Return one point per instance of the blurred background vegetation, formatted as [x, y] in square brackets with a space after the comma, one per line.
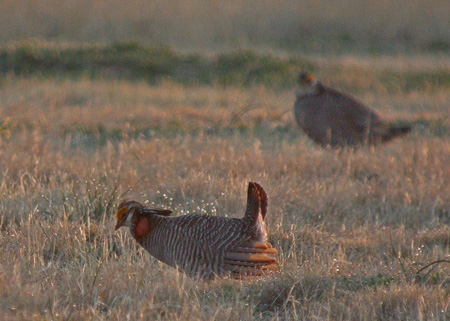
[153, 64]
[300, 27]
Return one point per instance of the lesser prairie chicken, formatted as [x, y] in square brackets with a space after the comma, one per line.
[330, 117]
[205, 246]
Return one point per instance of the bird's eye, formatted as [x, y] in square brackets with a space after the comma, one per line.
[121, 213]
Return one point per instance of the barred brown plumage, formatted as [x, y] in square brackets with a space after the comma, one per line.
[330, 117]
[205, 246]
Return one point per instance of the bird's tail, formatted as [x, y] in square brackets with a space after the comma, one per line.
[397, 130]
[254, 256]
[257, 202]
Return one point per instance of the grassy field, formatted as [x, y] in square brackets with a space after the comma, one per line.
[307, 26]
[359, 233]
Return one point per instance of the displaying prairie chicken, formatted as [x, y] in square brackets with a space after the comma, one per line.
[205, 246]
[330, 117]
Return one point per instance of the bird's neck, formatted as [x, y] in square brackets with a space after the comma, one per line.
[313, 88]
[152, 241]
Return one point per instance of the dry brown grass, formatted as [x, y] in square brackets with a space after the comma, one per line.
[353, 228]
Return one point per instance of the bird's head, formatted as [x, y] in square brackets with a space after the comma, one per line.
[306, 79]
[307, 84]
[125, 212]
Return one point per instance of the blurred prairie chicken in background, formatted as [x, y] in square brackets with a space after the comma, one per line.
[205, 246]
[330, 117]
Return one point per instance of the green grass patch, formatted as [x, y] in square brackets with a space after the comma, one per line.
[416, 80]
[133, 61]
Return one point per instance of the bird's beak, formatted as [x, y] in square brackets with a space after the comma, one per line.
[120, 217]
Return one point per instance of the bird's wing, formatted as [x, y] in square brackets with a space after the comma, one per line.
[353, 113]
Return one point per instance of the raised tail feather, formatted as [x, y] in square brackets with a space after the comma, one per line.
[255, 256]
[263, 199]
[257, 203]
